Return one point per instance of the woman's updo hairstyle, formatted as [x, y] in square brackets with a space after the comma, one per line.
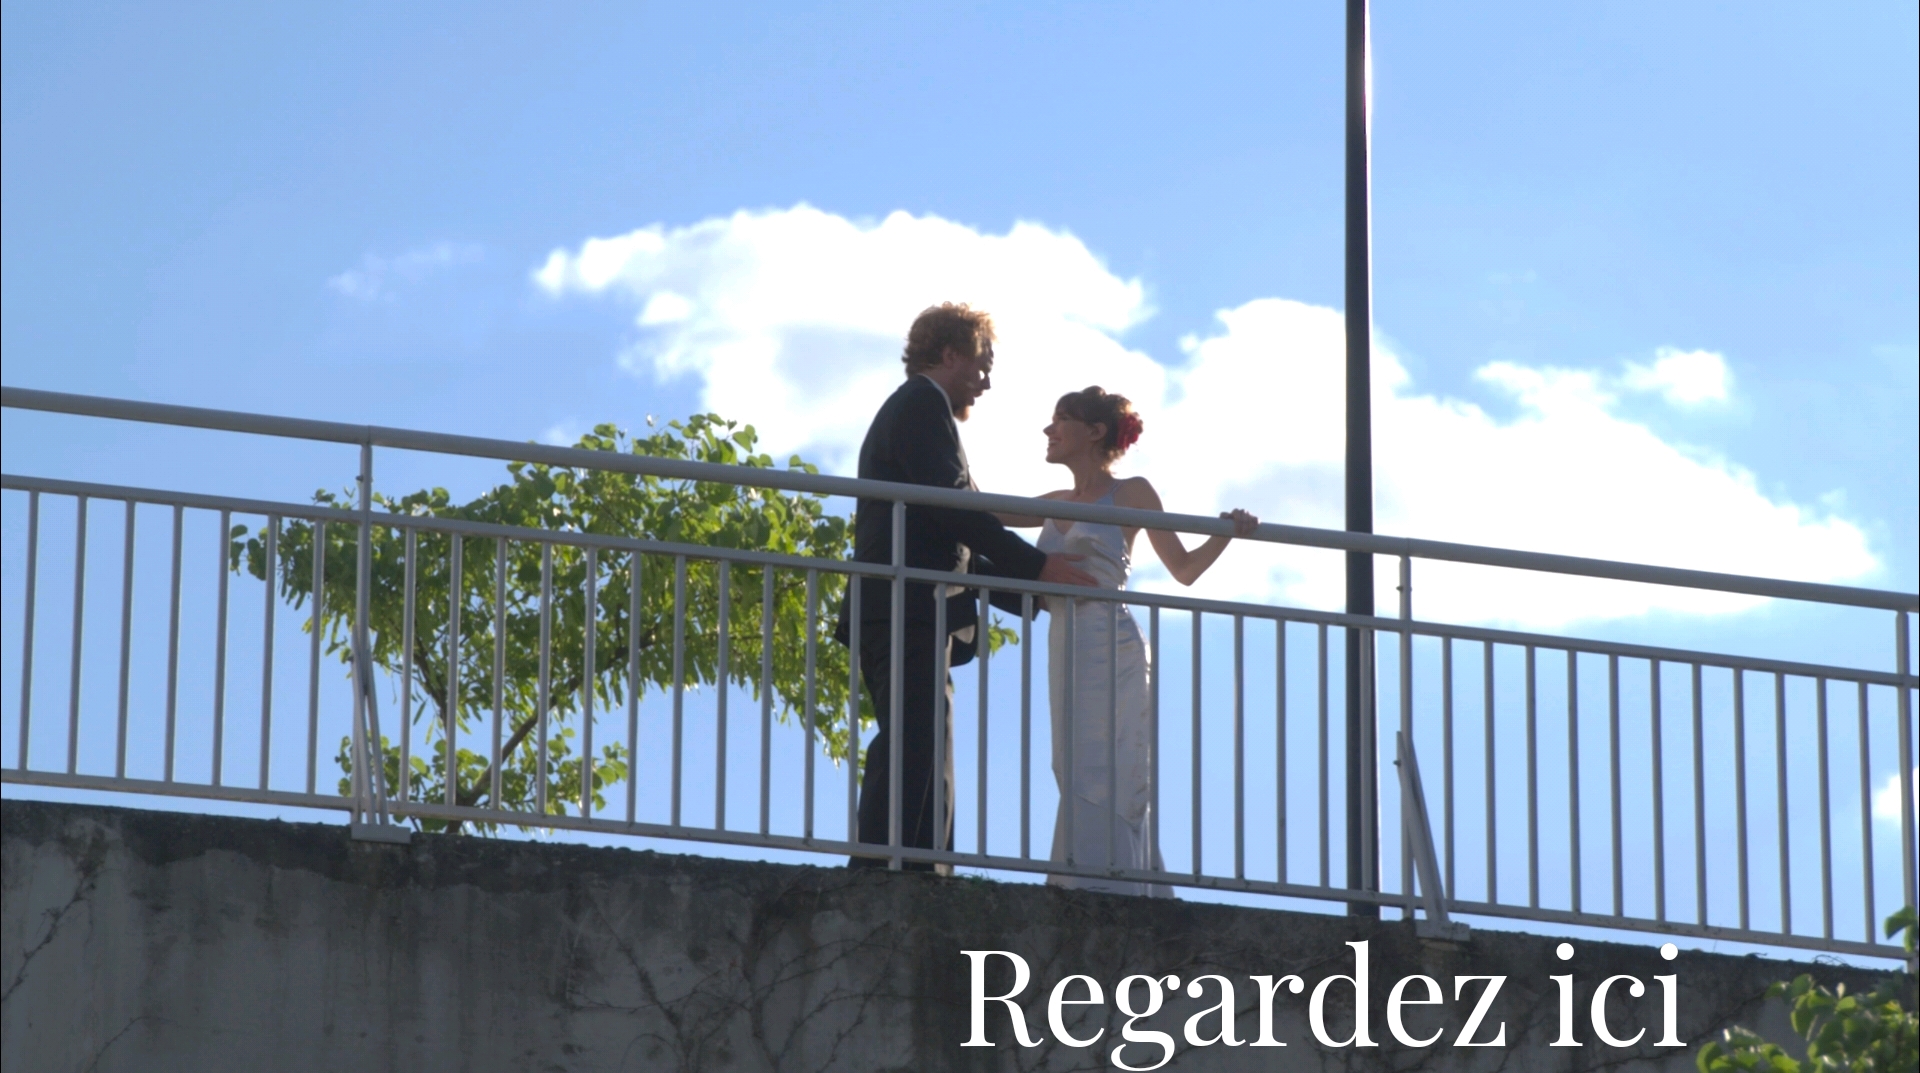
[1097, 406]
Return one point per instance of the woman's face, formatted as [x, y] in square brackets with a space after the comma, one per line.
[1069, 438]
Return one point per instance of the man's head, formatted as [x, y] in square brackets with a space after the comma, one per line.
[952, 345]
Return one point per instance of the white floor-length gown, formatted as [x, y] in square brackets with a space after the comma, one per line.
[1102, 747]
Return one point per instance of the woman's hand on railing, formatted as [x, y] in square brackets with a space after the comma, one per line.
[1186, 565]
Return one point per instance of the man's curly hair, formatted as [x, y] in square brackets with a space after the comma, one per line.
[948, 325]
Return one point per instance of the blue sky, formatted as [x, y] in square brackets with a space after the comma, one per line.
[1564, 188]
[339, 211]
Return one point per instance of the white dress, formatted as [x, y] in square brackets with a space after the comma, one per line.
[1102, 747]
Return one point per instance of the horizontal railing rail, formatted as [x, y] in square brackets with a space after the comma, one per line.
[790, 480]
[1133, 597]
[1762, 781]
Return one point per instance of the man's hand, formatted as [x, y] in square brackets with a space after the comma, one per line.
[1060, 570]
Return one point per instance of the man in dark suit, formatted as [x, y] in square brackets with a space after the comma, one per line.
[914, 439]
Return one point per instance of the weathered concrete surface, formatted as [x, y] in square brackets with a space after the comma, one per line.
[160, 941]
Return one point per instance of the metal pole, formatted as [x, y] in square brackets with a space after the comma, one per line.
[1362, 837]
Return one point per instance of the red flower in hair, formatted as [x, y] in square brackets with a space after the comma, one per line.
[1127, 430]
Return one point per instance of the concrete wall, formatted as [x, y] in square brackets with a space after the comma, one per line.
[160, 941]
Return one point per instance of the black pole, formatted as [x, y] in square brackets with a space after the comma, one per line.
[1363, 835]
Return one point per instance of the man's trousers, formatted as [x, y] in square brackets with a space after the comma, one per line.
[920, 671]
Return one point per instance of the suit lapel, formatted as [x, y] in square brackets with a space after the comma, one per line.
[966, 470]
[960, 445]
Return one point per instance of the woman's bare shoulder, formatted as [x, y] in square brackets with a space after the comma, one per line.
[1136, 492]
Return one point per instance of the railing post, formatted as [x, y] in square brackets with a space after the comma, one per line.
[679, 677]
[271, 540]
[938, 800]
[982, 636]
[363, 750]
[588, 673]
[766, 693]
[808, 688]
[721, 672]
[853, 708]
[1026, 723]
[1368, 761]
[1903, 664]
[494, 755]
[409, 587]
[26, 634]
[896, 665]
[316, 622]
[1406, 720]
[219, 642]
[1153, 742]
[450, 722]
[544, 690]
[79, 615]
[371, 759]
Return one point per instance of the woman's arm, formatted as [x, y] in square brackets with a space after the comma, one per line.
[1025, 521]
[1185, 566]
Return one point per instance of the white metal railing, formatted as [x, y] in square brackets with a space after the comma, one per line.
[1693, 709]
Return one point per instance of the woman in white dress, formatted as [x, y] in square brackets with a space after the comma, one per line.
[1097, 662]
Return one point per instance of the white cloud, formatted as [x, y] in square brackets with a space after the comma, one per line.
[562, 434]
[1682, 377]
[377, 276]
[793, 321]
[1886, 800]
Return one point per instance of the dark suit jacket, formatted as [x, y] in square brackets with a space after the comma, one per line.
[914, 440]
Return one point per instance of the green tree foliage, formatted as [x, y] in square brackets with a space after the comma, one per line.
[1868, 1033]
[573, 501]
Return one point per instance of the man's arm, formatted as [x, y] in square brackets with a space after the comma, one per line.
[1028, 521]
[1009, 602]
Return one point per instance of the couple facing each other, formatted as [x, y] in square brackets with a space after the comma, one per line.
[1097, 660]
